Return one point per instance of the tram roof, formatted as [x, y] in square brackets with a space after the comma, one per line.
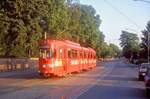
[65, 43]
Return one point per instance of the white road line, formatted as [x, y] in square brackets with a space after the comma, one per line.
[96, 82]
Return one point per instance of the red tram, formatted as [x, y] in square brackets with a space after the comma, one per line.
[64, 57]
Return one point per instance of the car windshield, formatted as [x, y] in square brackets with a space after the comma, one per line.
[46, 53]
[145, 65]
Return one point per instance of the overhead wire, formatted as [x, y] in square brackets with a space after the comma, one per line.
[121, 13]
[146, 1]
[94, 1]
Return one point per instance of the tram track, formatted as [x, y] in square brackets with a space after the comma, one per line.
[74, 86]
[24, 82]
[90, 83]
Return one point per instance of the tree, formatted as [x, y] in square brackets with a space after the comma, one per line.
[110, 50]
[20, 28]
[84, 26]
[144, 45]
[74, 22]
[130, 44]
[23, 23]
[116, 50]
[57, 19]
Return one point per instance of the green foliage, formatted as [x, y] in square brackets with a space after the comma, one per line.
[110, 50]
[20, 27]
[130, 43]
[57, 18]
[116, 51]
[105, 50]
[74, 21]
[144, 45]
[23, 23]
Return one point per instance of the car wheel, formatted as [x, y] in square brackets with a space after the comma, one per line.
[147, 92]
[140, 78]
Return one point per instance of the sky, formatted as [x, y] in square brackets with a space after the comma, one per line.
[118, 15]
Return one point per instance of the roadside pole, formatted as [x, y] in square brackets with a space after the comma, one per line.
[148, 46]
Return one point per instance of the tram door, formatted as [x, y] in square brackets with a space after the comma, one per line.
[68, 60]
[80, 59]
[65, 60]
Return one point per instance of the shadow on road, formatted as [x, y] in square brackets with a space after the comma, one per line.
[121, 78]
[25, 74]
[111, 92]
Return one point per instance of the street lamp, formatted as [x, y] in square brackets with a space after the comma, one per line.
[148, 44]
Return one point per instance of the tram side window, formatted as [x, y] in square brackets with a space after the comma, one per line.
[60, 53]
[89, 55]
[94, 56]
[84, 55]
[81, 55]
[46, 53]
[78, 54]
[56, 53]
[42, 53]
[72, 52]
[75, 54]
[69, 53]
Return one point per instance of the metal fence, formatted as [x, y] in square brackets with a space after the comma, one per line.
[10, 64]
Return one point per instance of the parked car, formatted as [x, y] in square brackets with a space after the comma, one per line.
[147, 81]
[143, 70]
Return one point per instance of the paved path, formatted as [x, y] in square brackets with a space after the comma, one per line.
[109, 80]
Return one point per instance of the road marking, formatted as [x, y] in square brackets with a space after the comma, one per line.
[84, 89]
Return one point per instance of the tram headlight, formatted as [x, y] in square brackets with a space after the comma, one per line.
[44, 66]
[48, 65]
[51, 65]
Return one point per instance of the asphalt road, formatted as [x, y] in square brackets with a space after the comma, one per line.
[109, 80]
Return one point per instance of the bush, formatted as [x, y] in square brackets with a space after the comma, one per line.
[142, 60]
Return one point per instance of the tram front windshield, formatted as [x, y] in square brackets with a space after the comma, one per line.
[46, 53]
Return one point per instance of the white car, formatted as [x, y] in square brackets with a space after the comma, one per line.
[147, 81]
[142, 70]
